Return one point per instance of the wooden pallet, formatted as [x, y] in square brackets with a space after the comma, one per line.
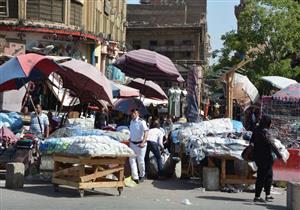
[85, 172]
[229, 179]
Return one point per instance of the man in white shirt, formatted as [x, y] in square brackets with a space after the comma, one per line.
[39, 123]
[155, 144]
[138, 143]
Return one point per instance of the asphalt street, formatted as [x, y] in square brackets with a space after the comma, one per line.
[162, 194]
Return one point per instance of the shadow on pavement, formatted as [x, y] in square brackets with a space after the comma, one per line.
[175, 184]
[220, 198]
[268, 206]
[247, 202]
[48, 190]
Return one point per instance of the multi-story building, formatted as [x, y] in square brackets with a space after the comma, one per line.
[91, 30]
[177, 29]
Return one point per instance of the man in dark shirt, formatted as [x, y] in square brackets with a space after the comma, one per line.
[101, 119]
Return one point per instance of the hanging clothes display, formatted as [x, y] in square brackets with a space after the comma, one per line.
[192, 85]
[177, 96]
[171, 101]
[183, 102]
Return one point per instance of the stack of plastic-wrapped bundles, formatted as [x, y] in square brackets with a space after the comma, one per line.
[215, 137]
[92, 142]
[11, 120]
[102, 146]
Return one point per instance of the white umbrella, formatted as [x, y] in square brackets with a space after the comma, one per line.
[279, 82]
[244, 91]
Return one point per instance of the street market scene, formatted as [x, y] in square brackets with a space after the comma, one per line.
[150, 104]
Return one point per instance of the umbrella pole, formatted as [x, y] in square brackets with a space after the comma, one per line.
[39, 120]
[62, 102]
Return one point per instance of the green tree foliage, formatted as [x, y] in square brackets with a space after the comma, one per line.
[274, 24]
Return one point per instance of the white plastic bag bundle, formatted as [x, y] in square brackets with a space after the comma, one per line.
[282, 150]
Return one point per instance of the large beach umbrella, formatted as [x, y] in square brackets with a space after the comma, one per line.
[126, 105]
[291, 92]
[85, 80]
[279, 82]
[244, 91]
[19, 70]
[148, 88]
[123, 91]
[148, 65]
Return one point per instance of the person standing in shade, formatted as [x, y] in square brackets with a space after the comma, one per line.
[138, 143]
[263, 154]
[101, 119]
[155, 144]
[39, 123]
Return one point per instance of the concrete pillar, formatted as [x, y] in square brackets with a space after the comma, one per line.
[211, 177]
[293, 195]
[22, 9]
[67, 12]
[14, 175]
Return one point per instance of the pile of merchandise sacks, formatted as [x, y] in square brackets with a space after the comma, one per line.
[218, 137]
[81, 141]
[95, 146]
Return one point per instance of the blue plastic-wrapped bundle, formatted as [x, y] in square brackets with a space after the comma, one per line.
[237, 126]
[52, 145]
[12, 120]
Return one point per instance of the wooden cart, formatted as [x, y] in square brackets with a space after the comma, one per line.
[86, 172]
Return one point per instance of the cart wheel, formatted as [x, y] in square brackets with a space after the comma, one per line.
[55, 186]
[120, 189]
[81, 192]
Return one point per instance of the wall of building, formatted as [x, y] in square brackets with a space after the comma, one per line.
[177, 29]
[177, 44]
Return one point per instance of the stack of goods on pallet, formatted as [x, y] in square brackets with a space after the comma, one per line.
[102, 146]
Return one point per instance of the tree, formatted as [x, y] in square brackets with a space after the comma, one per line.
[275, 24]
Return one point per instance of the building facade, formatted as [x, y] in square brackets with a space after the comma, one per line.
[177, 29]
[90, 30]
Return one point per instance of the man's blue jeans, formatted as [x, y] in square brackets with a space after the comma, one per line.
[154, 148]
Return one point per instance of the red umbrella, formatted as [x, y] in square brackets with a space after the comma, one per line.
[86, 80]
[148, 88]
[21, 69]
[148, 65]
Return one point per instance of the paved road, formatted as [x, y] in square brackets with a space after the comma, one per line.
[164, 194]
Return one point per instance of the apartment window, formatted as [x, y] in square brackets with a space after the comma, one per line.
[152, 44]
[4, 8]
[136, 44]
[187, 42]
[169, 42]
[51, 10]
[107, 7]
[76, 13]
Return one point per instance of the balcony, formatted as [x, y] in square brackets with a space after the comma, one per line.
[178, 48]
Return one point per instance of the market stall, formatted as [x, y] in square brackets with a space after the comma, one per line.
[220, 142]
[87, 162]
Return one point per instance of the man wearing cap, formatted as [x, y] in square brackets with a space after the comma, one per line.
[138, 143]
